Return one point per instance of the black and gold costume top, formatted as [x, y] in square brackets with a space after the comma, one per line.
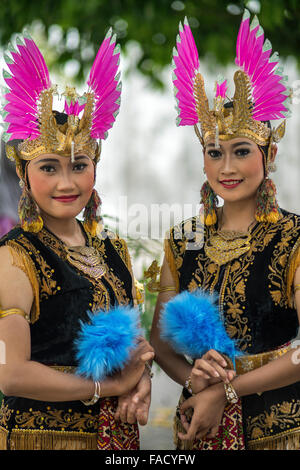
[256, 301]
[67, 283]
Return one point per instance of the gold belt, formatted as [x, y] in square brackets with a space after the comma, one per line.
[66, 369]
[246, 363]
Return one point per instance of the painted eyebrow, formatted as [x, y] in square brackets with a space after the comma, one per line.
[55, 160]
[233, 145]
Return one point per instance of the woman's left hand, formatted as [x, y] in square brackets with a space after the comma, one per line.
[134, 406]
[208, 407]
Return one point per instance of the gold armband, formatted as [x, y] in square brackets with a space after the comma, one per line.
[296, 287]
[14, 311]
[167, 289]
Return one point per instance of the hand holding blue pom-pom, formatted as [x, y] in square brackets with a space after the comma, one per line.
[191, 323]
[111, 344]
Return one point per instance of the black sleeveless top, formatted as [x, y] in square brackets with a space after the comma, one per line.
[66, 284]
[255, 300]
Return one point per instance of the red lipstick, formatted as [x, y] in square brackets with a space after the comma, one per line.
[230, 184]
[66, 199]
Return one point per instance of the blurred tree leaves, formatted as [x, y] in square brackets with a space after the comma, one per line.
[153, 24]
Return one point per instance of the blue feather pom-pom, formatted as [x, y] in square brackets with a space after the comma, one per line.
[104, 344]
[191, 323]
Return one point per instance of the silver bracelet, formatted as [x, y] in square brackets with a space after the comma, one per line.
[96, 396]
[148, 367]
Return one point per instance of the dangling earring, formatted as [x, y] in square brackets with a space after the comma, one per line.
[209, 200]
[30, 219]
[91, 213]
[267, 209]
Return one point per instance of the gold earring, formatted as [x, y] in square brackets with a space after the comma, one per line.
[209, 200]
[91, 213]
[30, 219]
[267, 209]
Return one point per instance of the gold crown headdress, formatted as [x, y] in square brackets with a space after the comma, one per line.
[28, 112]
[261, 93]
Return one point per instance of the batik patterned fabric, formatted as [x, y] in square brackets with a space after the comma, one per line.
[230, 435]
[113, 435]
[261, 320]
[67, 283]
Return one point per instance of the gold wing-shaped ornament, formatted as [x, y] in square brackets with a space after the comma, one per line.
[206, 117]
[279, 132]
[242, 102]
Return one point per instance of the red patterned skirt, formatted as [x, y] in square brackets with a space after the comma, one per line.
[230, 434]
[115, 435]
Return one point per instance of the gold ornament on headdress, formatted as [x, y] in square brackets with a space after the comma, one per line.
[260, 94]
[29, 114]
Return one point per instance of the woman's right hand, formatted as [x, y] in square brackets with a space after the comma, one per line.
[210, 369]
[131, 373]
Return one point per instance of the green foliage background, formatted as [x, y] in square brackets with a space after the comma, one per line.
[154, 25]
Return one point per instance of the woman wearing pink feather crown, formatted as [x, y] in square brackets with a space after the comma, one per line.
[246, 253]
[63, 282]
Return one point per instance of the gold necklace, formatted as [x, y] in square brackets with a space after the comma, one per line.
[86, 259]
[225, 245]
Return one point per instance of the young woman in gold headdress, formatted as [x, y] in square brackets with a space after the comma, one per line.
[55, 269]
[247, 252]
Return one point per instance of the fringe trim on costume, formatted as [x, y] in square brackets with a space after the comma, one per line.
[281, 442]
[293, 264]
[3, 438]
[21, 260]
[171, 262]
[51, 440]
[181, 445]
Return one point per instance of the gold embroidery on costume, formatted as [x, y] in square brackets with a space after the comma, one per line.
[224, 246]
[5, 414]
[292, 265]
[82, 258]
[281, 415]
[61, 419]
[283, 262]
[121, 248]
[48, 285]
[22, 260]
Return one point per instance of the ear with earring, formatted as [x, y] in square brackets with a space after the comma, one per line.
[30, 219]
[267, 208]
[209, 200]
[91, 213]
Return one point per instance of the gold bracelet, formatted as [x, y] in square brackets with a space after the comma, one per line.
[96, 396]
[188, 385]
[167, 289]
[231, 394]
[14, 311]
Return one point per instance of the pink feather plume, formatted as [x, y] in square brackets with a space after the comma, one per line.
[28, 77]
[221, 87]
[186, 65]
[253, 56]
[104, 83]
[73, 108]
